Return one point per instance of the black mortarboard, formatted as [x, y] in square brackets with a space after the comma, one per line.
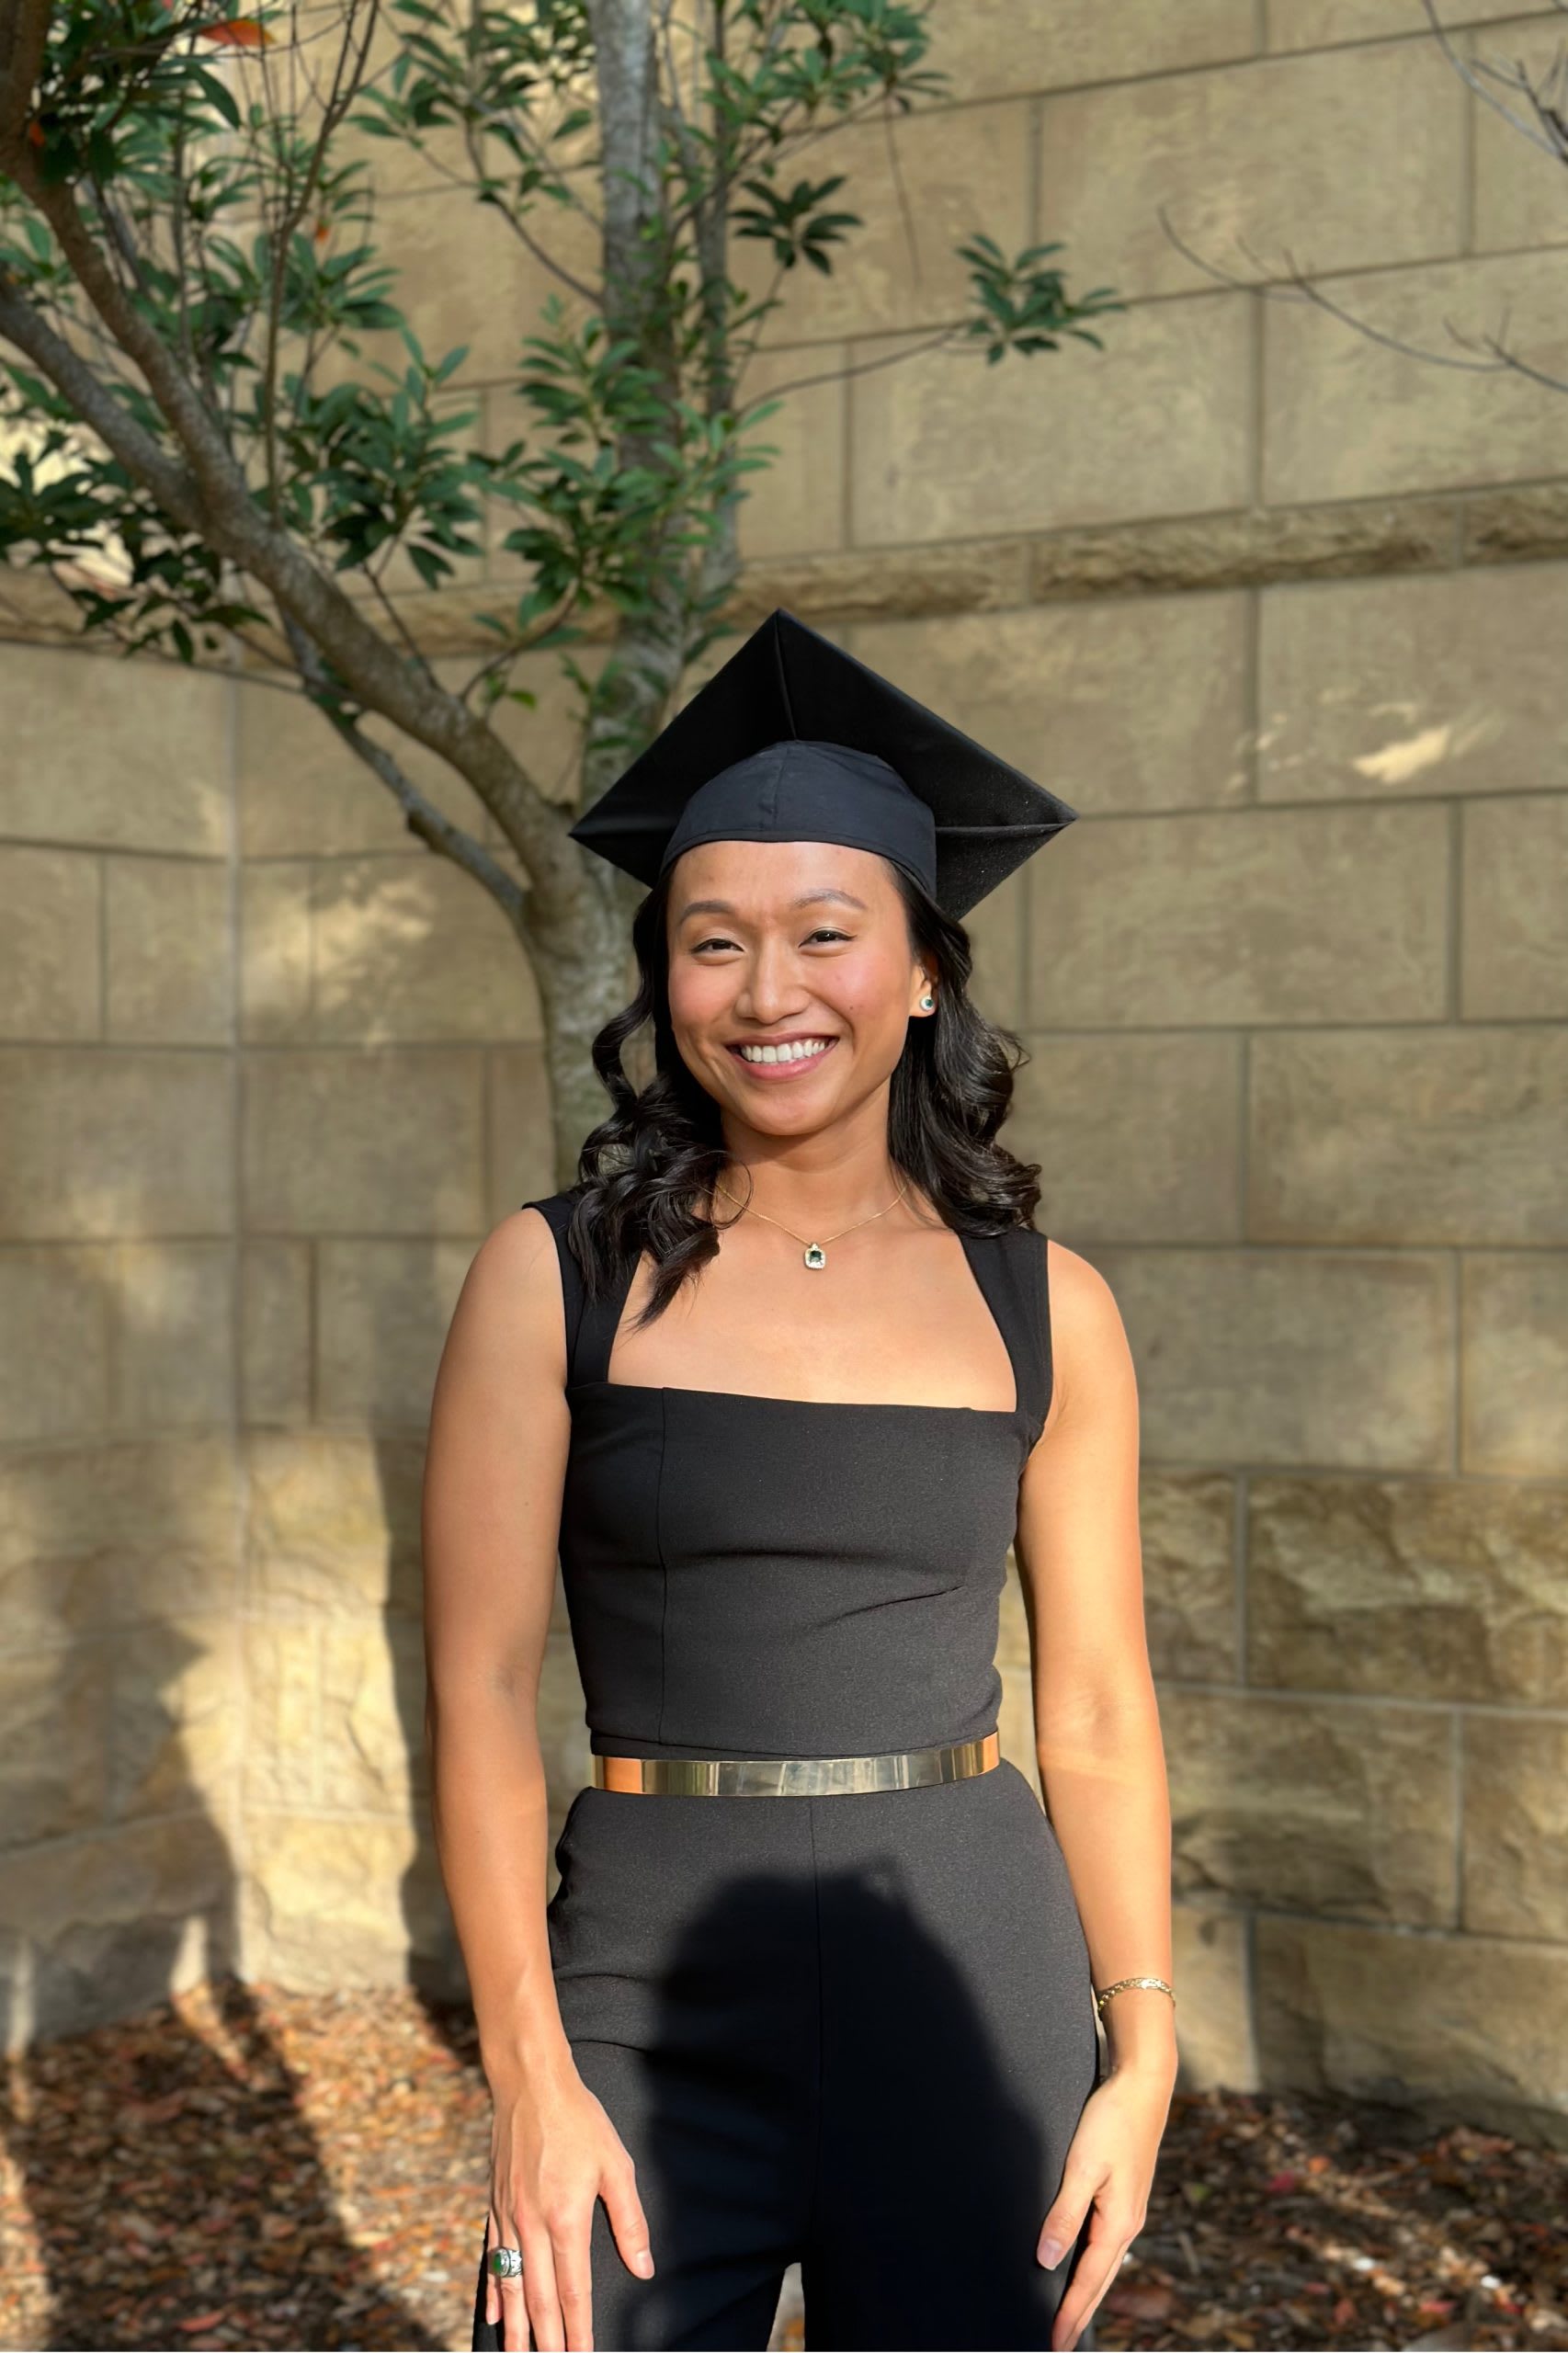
[794, 739]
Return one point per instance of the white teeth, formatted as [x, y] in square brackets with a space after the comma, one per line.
[799, 1053]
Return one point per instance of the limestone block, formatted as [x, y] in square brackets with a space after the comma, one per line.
[562, 1728]
[382, 1312]
[970, 167]
[50, 967]
[173, 1335]
[1158, 422]
[127, 754]
[1516, 1826]
[1513, 936]
[1257, 915]
[1411, 1589]
[1015, 1724]
[1289, 1356]
[372, 1724]
[1514, 1318]
[275, 1338]
[1257, 546]
[995, 48]
[1013, 1625]
[1414, 425]
[97, 1538]
[1085, 1107]
[1432, 2022]
[408, 949]
[1518, 191]
[56, 1310]
[1187, 1526]
[1315, 1805]
[467, 279]
[332, 1523]
[1310, 24]
[1437, 682]
[1213, 2022]
[275, 949]
[546, 735]
[1121, 704]
[100, 1144]
[53, 1708]
[517, 1122]
[1257, 161]
[796, 506]
[283, 1711]
[996, 944]
[93, 1928]
[325, 1899]
[1409, 1135]
[170, 951]
[174, 1721]
[340, 1142]
[303, 792]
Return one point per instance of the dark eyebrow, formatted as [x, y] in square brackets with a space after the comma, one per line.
[806, 899]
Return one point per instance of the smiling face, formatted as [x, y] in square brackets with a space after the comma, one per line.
[798, 947]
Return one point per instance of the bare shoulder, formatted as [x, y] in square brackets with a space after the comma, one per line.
[511, 1310]
[1088, 1340]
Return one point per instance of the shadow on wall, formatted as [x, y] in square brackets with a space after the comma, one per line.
[120, 1888]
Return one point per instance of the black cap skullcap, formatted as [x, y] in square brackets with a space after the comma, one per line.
[794, 739]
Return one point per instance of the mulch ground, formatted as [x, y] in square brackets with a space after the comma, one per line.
[244, 2167]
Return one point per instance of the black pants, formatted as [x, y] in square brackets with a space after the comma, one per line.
[854, 2030]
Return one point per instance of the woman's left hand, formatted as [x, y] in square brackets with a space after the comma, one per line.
[1110, 2165]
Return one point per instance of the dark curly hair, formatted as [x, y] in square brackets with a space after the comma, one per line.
[646, 1173]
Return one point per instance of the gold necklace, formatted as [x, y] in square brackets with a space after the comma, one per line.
[816, 1252]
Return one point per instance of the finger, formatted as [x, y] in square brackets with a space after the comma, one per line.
[492, 2285]
[504, 2298]
[573, 2281]
[1065, 2220]
[629, 2224]
[1092, 2275]
[540, 2290]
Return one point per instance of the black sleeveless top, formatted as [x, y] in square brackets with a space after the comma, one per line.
[767, 1577]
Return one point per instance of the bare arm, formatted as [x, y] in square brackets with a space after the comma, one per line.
[1102, 1768]
[1096, 1720]
[500, 1427]
[496, 1459]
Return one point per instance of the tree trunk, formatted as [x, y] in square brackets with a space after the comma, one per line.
[584, 973]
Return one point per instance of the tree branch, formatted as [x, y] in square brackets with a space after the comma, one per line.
[218, 505]
[95, 403]
[432, 825]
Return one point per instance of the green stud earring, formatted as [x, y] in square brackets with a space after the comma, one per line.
[928, 1002]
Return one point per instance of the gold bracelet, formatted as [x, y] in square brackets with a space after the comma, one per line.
[1103, 1996]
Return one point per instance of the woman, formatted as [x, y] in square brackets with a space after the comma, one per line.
[783, 1374]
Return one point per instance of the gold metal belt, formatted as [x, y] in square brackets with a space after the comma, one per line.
[796, 1777]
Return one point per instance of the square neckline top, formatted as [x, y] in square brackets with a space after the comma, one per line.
[595, 1317]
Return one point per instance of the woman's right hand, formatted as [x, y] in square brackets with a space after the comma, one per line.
[552, 2155]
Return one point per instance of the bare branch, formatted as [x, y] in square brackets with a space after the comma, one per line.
[1301, 288]
[866, 367]
[432, 825]
[1476, 76]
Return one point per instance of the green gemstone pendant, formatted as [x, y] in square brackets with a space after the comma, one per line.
[815, 1255]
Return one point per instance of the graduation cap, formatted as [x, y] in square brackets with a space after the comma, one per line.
[794, 739]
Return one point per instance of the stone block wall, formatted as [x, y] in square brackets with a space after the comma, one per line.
[120, 1740]
[1277, 609]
